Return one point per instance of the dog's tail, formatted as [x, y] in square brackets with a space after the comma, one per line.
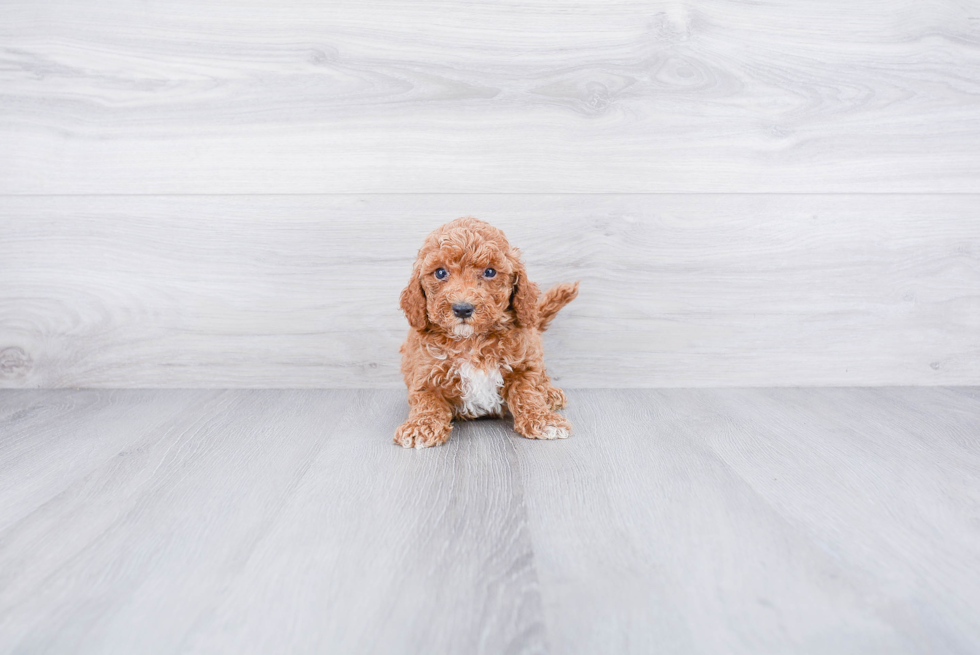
[553, 300]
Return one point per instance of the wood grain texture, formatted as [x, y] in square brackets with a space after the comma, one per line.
[748, 521]
[238, 525]
[676, 521]
[301, 291]
[513, 96]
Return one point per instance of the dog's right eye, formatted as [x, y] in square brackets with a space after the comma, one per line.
[441, 274]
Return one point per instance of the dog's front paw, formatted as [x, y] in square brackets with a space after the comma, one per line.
[422, 432]
[555, 432]
[543, 425]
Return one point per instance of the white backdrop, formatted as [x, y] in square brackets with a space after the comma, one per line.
[231, 194]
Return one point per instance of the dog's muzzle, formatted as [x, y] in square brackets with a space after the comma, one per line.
[463, 309]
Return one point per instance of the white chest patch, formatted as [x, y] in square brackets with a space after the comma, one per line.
[481, 391]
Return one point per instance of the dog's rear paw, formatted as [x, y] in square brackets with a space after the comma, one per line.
[422, 433]
[556, 398]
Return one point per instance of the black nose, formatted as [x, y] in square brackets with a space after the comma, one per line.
[463, 310]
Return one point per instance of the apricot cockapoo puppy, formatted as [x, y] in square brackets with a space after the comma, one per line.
[475, 345]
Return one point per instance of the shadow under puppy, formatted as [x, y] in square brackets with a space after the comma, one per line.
[475, 345]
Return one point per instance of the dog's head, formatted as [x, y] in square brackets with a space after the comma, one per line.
[467, 280]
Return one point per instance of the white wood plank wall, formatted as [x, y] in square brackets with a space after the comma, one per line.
[319, 96]
[677, 290]
[217, 193]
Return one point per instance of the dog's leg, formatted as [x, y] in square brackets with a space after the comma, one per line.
[429, 421]
[529, 402]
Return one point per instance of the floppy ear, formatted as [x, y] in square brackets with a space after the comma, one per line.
[524, 298]
[413, 301]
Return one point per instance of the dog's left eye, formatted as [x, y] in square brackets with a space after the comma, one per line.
[489, 273]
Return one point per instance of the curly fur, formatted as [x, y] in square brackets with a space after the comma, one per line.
[489, 363]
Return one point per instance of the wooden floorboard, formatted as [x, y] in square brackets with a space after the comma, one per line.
[679, 521]
[236, 526]
[754, 521]
[502, 97]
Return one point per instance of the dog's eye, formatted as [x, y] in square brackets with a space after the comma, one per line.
[489, 273]
[441, 274]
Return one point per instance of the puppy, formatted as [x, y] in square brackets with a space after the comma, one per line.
[474, 348]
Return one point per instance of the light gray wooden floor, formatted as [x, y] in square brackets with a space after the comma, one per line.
[674, 521]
